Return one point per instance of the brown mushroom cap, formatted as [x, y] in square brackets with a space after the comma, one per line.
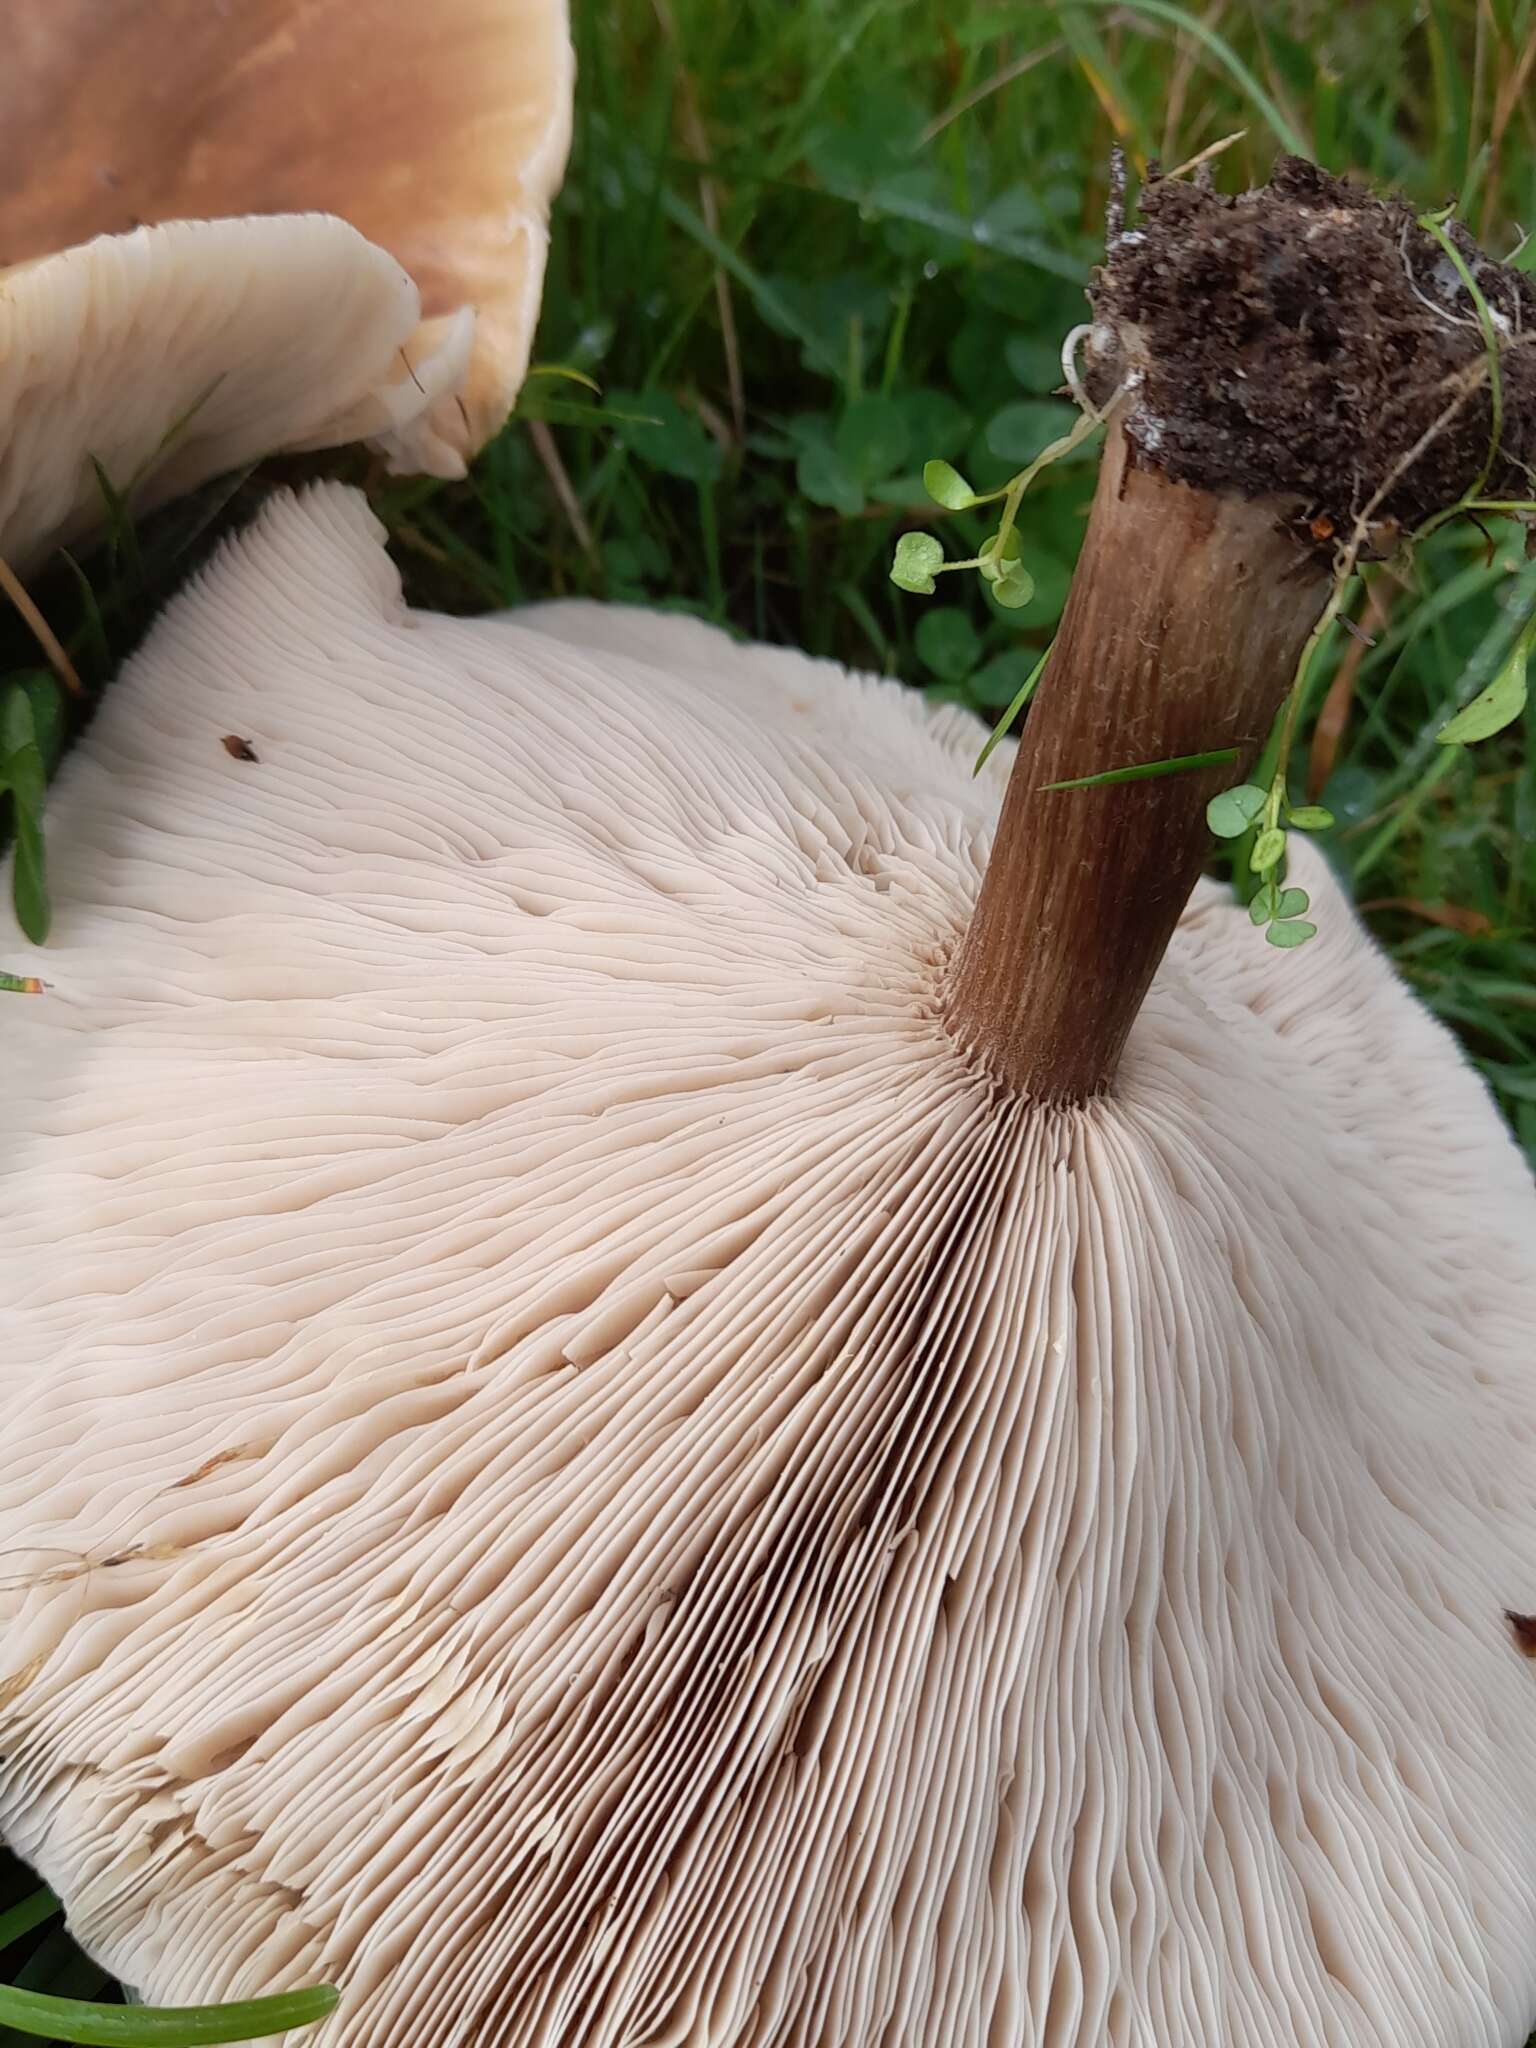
[439, 131]
[572, 1463]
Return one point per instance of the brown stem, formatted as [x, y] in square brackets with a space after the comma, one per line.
[1185, 622]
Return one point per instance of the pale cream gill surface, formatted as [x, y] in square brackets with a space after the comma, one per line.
[570, 1465]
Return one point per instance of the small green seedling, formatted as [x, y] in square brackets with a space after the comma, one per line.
[1239, 810]
[999, 560]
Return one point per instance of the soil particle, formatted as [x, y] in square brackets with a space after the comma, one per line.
[1299, 340]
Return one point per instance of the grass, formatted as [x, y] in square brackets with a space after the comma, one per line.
[803, 248]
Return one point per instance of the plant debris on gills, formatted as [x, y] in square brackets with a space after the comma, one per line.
[1301, 340]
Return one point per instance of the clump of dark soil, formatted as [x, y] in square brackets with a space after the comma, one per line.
[1301, 339]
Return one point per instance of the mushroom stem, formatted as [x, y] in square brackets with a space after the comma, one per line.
[1186, 619]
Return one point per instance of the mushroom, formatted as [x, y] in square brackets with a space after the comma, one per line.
[439, 132]
[166, 356]
[583, 1458]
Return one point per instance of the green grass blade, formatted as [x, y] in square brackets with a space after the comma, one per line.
[43, 2017]
[33, 1910]
[1432, 226]
[1145, 771]
[1512, 620]
[93, 631]
[851, 32]
[1284, 133]
[1406, 812]
[960, 227]
[1026, 690]
[1087, 46]
[768, 301]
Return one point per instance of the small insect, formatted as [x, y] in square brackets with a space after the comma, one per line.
[1523, 1629]
[239, 749]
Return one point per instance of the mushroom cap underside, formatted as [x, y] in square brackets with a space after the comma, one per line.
[574, 1467]
[439, 132]
[141, 365]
